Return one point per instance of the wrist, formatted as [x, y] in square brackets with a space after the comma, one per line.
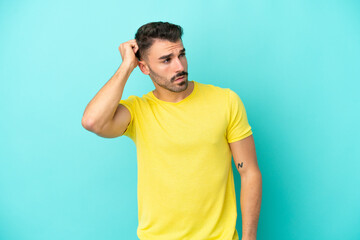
[248, 237]
[126, 68]
[128, 65]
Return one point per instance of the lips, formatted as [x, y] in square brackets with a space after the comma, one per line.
[179, 78]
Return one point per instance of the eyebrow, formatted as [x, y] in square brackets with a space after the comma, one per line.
[169, 55]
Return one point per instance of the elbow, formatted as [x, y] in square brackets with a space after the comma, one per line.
[89, 124]
[251, 174]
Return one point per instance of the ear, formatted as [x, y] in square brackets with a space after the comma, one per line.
[143, 67]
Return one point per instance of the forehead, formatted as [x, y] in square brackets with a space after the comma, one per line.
[162, 47]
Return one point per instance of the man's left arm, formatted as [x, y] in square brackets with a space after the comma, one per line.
[244, 155]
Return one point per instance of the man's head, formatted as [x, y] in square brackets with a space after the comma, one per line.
[161, 55]
[147, 33]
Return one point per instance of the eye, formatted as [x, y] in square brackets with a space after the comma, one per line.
[166, 60]
[182, 54]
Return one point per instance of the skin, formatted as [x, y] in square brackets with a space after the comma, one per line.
[163, 72]
[245, 160]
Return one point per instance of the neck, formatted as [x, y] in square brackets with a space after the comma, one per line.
[169, 96]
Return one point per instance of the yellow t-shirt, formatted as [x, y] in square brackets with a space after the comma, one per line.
[185, 180]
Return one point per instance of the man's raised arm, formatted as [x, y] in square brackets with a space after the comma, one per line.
[104, 115]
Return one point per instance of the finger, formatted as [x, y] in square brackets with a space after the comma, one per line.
[129, 45]
[133, 41]
[136, 48]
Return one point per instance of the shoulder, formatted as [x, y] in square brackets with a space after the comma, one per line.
[134, 98]
[137, 102]
[226, 95]
[129, 100]
[210, 88]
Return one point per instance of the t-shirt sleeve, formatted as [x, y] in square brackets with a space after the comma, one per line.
[130, 104]
[238, 127]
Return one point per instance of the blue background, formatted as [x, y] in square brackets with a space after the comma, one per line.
[295, 64]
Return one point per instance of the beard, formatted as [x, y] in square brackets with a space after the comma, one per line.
[169, 84]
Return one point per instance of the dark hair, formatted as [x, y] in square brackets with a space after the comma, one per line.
[146, 34]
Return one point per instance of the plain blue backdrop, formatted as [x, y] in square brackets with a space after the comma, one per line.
[295, 64]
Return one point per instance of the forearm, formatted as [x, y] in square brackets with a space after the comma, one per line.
[250, 201]
[102, 107]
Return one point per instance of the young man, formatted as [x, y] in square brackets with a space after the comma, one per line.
[185, 133]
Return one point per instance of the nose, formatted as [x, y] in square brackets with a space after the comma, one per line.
[178, 65]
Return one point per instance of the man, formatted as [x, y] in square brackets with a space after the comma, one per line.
[185, 134]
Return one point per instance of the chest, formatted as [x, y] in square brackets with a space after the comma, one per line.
[183, 128]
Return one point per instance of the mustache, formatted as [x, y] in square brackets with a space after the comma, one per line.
[183, 73]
